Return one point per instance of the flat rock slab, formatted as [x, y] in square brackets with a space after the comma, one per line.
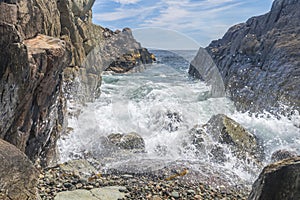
[105, 193]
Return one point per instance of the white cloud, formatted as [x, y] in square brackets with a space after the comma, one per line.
[126, 1]
[208, 19]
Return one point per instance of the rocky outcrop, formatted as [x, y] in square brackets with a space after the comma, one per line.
[223, 140]
[227, 131]
[18, 177]
[278, 181]
[259, 60]
[33, 86]
[95, 49]
[30, 77]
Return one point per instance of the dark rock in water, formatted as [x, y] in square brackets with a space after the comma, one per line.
[259, 60]
[130, 141]
[130, 60]
[282, 154]
[218, 154]
[278, 181]
[18, 177]
[227, 131]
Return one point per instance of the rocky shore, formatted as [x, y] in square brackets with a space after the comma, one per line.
[49, 62]
[63, 182]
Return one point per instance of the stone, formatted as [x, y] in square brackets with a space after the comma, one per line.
[81, 167]
[130, 141]
[105, 193]
[278, 181]
[18, 176]
[227, 131]
[282, 154]
[75, 195]
[258, 60]
[175, 195]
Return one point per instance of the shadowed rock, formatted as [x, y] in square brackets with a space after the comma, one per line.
[18, 177]
[278, 181]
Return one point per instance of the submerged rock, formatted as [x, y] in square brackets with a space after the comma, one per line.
[130, 141]
[18, 176]
[278, 181]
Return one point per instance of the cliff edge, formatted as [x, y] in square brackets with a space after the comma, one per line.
[259, 60]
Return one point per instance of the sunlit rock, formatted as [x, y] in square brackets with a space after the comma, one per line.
[227, 131]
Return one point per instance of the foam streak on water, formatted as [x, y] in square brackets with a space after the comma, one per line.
[142, 103]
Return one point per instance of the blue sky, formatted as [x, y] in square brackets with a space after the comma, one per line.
[197, 21]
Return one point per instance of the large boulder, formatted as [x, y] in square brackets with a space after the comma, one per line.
[131, 141]
[259, 59]
[278, 181]
[18, 177]
[227, 131]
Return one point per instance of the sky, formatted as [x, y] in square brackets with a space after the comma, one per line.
[175, 24]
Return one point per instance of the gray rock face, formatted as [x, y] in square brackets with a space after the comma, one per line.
[259, 60]
[227, 131]
[18, 177]
[278, 181]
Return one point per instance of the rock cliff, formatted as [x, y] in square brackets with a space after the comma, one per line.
[47, 48]
[30, 76]
[259, 60]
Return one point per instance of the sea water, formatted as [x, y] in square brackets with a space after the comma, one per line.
[143, 102]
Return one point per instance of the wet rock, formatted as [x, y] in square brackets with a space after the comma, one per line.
[130, 141]
[227, 131]
[218, 154]
[258, 60]
[278, 181]
[18, 177]
[282, 154]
